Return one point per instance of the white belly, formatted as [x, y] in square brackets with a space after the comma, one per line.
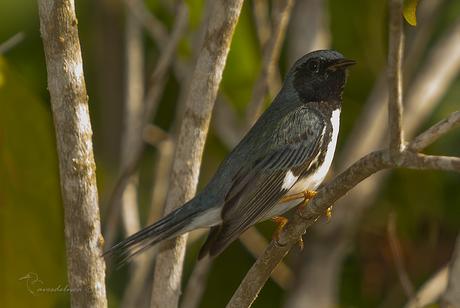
[312, 181]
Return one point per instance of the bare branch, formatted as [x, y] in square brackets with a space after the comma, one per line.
[430, 162]
[395, 55]
[395, 248]
[451, 297]
[190, 145]
[155, 89]
[326, 196]
[153, 26]
[11, 42]
[431, 290]
[255, 243]
[435, 132]
[196, 284]
[270, 57]
[69, 102]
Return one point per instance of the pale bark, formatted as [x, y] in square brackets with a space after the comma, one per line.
[190, 144]
[271, 53]
[69, 102]
[395, 58]
[431, 290]
[451, 297]
[152, 96]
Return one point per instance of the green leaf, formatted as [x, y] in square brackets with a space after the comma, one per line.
[410, 10]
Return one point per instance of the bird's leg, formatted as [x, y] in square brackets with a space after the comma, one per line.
[307, 196]
[280, 223]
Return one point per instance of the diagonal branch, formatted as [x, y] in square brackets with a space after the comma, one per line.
[190, 144]
[256, 277]
[435, 132]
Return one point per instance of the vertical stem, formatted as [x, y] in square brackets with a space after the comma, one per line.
[69, 102]
[395, 54]
[190, 145]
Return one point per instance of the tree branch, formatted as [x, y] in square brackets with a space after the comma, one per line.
[271, 52]
[190, 145]
[326, 196]
[451, 297]
[395, 55]
[69, 102]
[153, 94]
[11, 42]
[435, 132]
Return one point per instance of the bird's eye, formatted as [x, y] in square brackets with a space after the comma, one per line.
[313, 66]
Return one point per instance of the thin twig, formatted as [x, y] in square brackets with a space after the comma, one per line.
[435, 132]
[196, 284]
[451, 296]
[11, 42]
[190, 144]
[153, 95]
[270, 57]
[431, 290]
[154, 27]
[395, 248]
[69, 102]
[395, 54]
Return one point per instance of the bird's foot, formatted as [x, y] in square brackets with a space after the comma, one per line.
[280, 223]
[307, 196]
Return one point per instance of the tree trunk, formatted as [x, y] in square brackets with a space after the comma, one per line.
[69, 102]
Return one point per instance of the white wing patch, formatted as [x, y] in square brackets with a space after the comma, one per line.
[315, 178]
[289, 180]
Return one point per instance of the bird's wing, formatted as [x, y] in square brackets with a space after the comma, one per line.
[291, 147]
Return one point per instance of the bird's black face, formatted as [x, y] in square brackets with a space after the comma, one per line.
[321, 76]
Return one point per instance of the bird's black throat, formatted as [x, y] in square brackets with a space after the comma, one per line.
[327, 87]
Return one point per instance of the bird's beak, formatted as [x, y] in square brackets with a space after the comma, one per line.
[340, 64]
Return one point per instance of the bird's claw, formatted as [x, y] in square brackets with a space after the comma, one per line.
[280, 223]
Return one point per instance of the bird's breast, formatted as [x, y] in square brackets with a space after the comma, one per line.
[323, 161]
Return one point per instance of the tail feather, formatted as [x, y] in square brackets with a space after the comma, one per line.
[173, 224]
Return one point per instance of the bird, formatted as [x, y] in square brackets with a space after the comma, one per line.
[286, 153]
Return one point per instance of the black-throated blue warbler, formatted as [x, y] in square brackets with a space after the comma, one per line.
[287, 152]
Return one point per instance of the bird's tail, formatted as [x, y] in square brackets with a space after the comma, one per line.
[174, 224]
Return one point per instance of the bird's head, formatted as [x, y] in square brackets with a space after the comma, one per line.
[319, 76]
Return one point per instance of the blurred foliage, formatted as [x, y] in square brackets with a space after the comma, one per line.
[410, 11]
[426, 204]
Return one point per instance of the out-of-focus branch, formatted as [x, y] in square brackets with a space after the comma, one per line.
[190, 144]
[155, 89]
[395, 248]
[11, 42]
[395, 54]
[153, 26]
[308, 29]
[196, 284]
[451, 296]
[69, 102]
[271, 52]
[435, 132]
[431, 290]
[262, 20]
